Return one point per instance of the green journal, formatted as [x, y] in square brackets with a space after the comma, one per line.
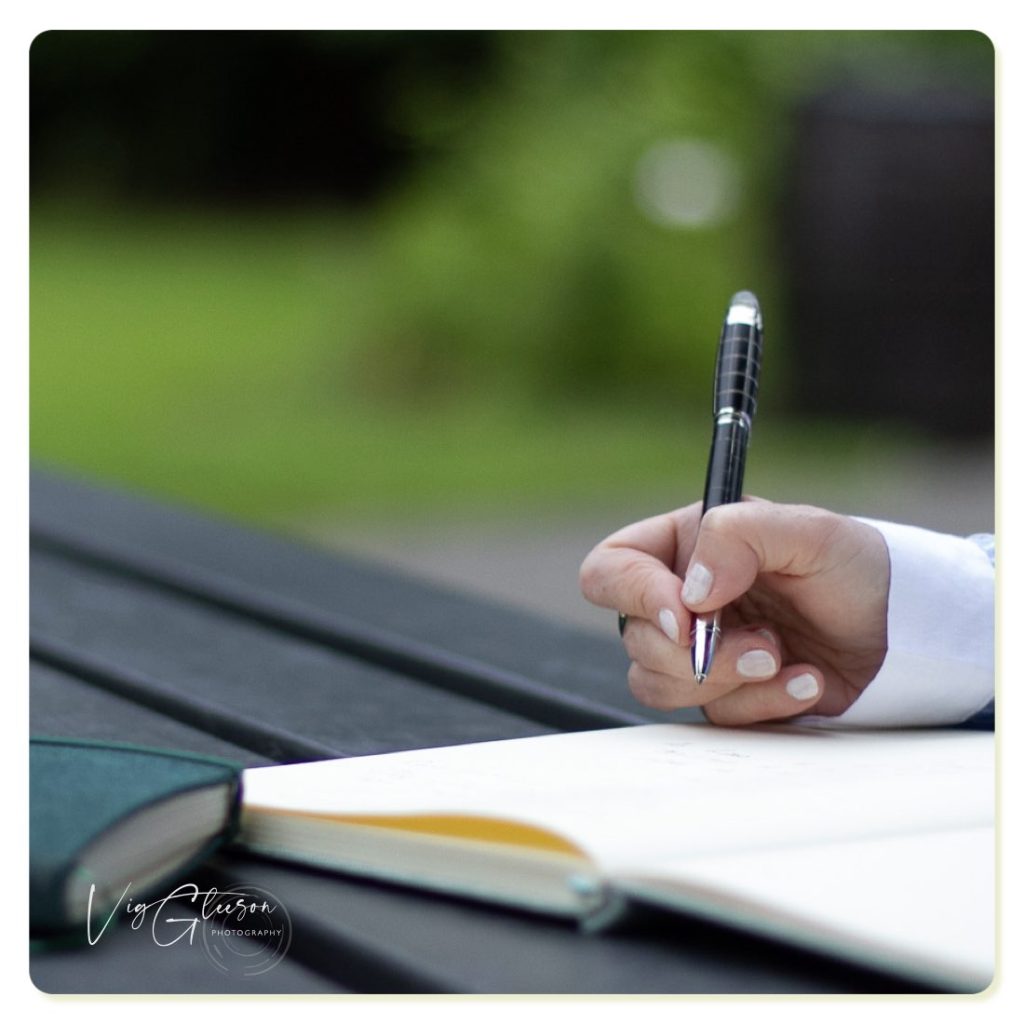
[107, 815]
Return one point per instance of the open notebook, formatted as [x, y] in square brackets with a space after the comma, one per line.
[876, 846]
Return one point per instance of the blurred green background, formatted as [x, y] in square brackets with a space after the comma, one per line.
[327, 282]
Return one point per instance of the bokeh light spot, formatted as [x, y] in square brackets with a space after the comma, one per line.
[687, 183]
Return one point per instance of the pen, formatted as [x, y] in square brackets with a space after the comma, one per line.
[737, 369]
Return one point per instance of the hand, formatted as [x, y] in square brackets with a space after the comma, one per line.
[804, 594]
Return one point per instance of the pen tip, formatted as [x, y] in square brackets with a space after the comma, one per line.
[700, 677]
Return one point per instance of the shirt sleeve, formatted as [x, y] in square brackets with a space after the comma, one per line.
[940, 665]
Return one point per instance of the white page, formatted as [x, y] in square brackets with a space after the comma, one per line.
[647, 794]
[925, 901]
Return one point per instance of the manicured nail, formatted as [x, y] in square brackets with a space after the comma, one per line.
[756, 665]
[697, 584]
[669, 625]
[802, 687]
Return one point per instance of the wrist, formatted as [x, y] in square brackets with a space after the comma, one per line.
[939, 661]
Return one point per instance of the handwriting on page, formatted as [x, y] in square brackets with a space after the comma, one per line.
[668, 788]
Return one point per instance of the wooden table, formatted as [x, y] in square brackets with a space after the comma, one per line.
[160, 626]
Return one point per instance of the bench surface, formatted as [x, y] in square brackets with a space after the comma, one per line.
[157, 625]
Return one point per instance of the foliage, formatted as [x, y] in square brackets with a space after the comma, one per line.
[506, 322]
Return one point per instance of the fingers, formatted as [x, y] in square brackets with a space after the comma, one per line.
[637, 569]
[632, 572]
[661, 675]
[731, 701]
[818, 575]
[794, 691]
[745, 685]
[738, 542]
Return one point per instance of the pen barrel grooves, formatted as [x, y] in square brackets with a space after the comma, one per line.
[724, 482]
[737, 368]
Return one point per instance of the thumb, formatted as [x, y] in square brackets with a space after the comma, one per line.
[738, 542]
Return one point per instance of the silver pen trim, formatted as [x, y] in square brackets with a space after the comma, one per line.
[730, 415]
[706, 633]
[743, 313]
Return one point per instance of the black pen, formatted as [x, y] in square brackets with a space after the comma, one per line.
[737, 370]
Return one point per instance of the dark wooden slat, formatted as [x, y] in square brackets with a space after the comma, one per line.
[266, 691]
[273, 742]
[565, 678]
[64, 705]
[132, 964]
[413, 941]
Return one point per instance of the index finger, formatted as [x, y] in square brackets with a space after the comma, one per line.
[668, 537]
[633, 570]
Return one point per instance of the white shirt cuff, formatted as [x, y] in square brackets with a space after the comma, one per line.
[940, 664]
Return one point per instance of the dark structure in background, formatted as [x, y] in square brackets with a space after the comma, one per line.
[236, 117]
[892, 228]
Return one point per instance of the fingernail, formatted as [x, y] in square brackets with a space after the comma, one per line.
[802, 687]
[697, 584]
[669, 624]
[756, 664]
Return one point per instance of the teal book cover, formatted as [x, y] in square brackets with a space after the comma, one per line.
[106, 815]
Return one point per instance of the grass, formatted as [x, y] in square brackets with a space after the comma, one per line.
[211, 360]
